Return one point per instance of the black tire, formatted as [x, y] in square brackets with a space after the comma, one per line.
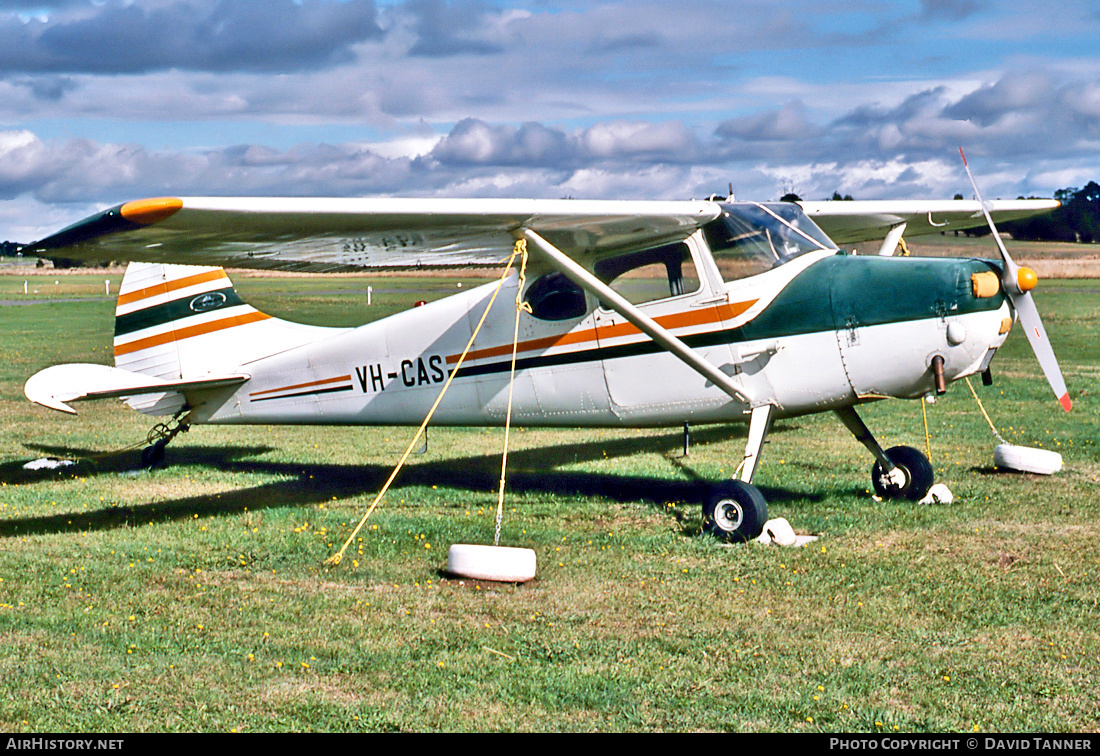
[919, 475]
[734, 511]
[153, 456]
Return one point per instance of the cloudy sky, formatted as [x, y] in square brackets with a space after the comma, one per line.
[102, 101]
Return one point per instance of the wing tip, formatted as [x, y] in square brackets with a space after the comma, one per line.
[127, 217]
[149, 211]
[1066, 402]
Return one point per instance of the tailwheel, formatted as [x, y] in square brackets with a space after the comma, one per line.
[153, 456]
[159, 435]
[910, 479]
[734, 511]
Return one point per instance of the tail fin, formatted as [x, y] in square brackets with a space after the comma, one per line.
[182, 322]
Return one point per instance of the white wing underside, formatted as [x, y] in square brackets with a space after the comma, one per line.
[866, 220]
[332, 234]
[321, 234]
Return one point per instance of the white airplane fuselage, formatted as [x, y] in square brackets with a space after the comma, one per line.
[819, 332]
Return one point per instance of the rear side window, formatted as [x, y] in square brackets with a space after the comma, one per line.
[650, 274]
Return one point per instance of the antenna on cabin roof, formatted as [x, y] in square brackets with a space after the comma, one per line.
[715, 197]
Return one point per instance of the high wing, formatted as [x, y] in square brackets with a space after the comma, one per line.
[347, 234]
[331, 234]
[847, 222]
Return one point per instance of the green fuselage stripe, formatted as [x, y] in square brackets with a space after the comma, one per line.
[838, 293]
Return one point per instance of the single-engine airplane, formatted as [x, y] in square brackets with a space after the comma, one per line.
[649, 313]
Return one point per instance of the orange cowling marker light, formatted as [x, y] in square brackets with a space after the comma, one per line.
[149, 211]
[986, 284]
[1026, 279]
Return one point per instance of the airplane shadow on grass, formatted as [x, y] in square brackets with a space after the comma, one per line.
[529, 471]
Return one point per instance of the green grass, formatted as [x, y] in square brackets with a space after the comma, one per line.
[195, 598]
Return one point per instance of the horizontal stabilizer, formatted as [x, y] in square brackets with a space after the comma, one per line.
[57, 385]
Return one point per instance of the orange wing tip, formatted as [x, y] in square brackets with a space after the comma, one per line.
[149, 211]
[1067, 403]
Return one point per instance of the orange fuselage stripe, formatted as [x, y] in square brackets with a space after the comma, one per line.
[337, 379]
[167, 286]
[180, 334]
[675, 320]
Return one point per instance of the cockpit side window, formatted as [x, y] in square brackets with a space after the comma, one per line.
[651, 274]
[555, 297]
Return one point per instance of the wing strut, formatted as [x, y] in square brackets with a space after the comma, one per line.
[890, 243]
[577, 273]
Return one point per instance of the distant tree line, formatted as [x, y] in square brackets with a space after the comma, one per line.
[15, 249]
[1077, 220]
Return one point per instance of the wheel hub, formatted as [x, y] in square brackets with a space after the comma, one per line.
[897, 480]
[728, 515]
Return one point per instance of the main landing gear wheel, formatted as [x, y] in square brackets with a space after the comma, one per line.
[917, 472]
[735, 511]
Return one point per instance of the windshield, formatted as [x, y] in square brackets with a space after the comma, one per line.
[751, 237]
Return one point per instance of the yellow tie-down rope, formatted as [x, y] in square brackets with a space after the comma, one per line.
[984, 413]
[520, 248]
[521, 306]
[927, 435]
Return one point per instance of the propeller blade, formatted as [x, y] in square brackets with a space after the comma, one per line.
[1037, 336]
[1011, 270]
[1020, 297]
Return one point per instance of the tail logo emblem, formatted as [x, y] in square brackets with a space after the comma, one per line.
[211, 300]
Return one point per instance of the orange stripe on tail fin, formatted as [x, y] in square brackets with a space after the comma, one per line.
[183, 322]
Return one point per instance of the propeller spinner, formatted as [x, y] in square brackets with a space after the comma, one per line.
[1018, 282]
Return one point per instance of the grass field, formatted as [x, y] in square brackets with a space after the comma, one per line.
[195, 598]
